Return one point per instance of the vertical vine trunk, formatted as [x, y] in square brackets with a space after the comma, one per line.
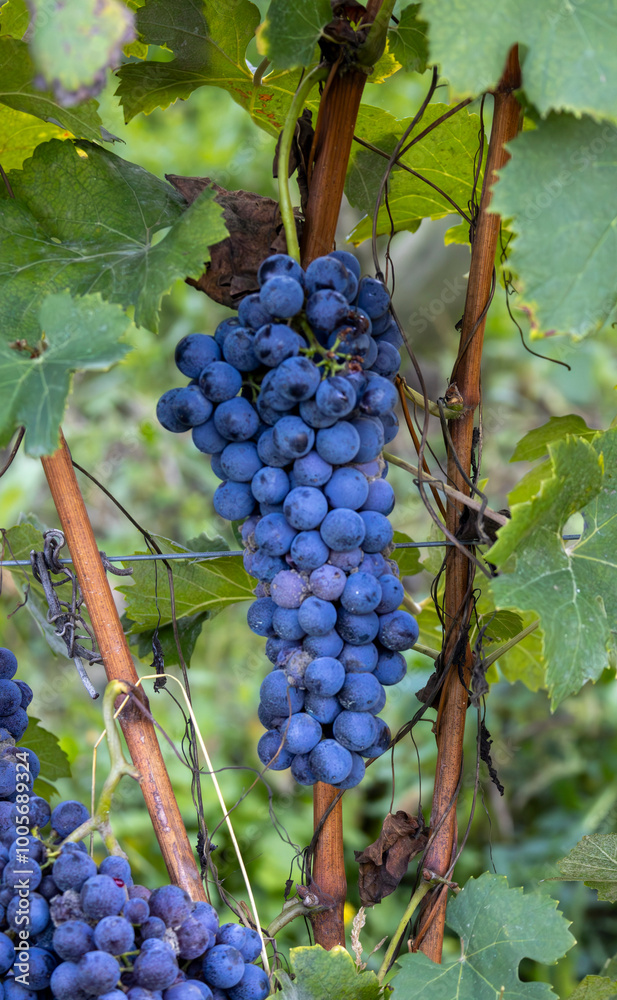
[138, 731]
[338, 112]
[450, 725]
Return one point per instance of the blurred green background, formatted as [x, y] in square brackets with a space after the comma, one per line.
[558, 771]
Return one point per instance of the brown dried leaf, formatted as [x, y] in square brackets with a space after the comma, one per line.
[255, 231]
[384, 863]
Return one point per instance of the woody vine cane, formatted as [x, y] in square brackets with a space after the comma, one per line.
[450, 724]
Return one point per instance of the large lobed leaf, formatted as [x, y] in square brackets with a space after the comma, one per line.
[290, 32]
[320, 973]
[594, 862]
[209, 43]
[498, 927]
[566, 50]
[445, 156]
[17, 91]
[84, 219]
[207, 585]
[595, 988]
[79, 334]
[573, 588]
[566, 243]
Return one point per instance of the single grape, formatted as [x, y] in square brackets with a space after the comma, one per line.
[359, 659]
[194, 352]
[274, 343]
[286, 625]
[336, 396]
[326, 309]
[398, 630]
[351, 263]
[301, 770]
[270, 484]
[220, 381]
[239, 350]
[308, 552]
[342, 529]
[289, 588]
[356, 773]
[392, 335]
[260, 616]
[311, 470]
[274, 534]
[278, 697]
[10, 696]
[373, 296]
[388, 360]
[279, 264]
[326, 272]
[101, 897]
[254, 985]
[292, 437]
[240, 461]
[117, 867]
[390, 424]
[317, 617]
[357, 630]
[327, 581]
[193, 938]
[155, 969]
[264, 566]
[330, 762]
[171, 903]
[136, 911]
[355, 730]
[380, 497]
[314, 417]
[207, 439]
[115, 935]
[347, 561]
[305, 508]
[329, 644]
[251, 312]
[301, 733]
[233, 501]
[360, 693]
[236, 420]
[324, 708]
[324, 676]
[296, 379]
[392, 594]
[379, 397]
[339, 444]
[268, 451]
[224, 329]
[391, 667]
[8, 664]
[371, 435]
[65, 982]
[347, 488]
[71, 869]
[282, 296]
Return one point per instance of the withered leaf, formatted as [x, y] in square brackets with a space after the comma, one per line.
[384, 863]
[255, 231]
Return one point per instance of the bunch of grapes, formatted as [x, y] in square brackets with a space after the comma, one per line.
[72, 930]
[294, 400]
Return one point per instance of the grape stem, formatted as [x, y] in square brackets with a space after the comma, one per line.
[414, 902]
[119, 766]
[319, 72]
[449, 412]
[492, 515]
[292, 909]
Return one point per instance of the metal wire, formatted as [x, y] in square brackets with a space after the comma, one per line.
[219, 555]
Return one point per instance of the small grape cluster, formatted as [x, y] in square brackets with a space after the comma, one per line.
[294, 400]
[91, 933]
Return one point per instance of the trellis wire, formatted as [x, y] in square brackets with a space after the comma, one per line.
[238, 552]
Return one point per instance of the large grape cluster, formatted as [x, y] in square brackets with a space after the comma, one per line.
[74, 930]
[294, 400]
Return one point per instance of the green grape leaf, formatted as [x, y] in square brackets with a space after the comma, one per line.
[209, 43]
[531, 483]
[498, 927]
[457, 234]
[79, 334]
[566, 51]
[189, 630]
[573, 586]
[20, 134]
[74, 44]
[54, 761]
[595, 988]
[445, 157]
[594, 862]
[96, 227]
[407, 560]
[564, 251]
[290, 32]
[17, 91]
[535, 443]
[320, 973]
[14, 18]
[199, 586]
[408, 41]
[524, 662]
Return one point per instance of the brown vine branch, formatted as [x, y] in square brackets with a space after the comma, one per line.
[450, 724]
[139, 732]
